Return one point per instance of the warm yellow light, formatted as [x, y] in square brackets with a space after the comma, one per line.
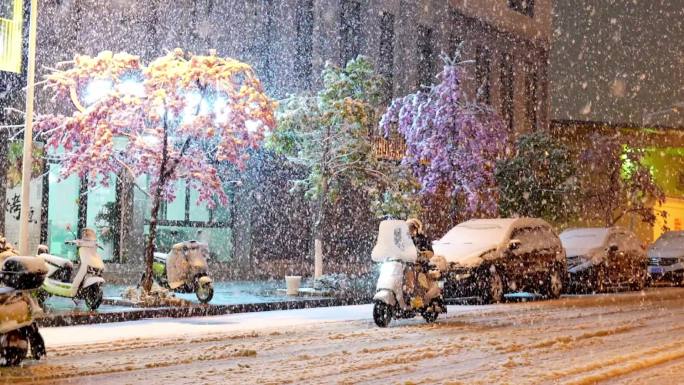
[11, 37]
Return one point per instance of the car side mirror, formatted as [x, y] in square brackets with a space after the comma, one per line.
[514, 244]
[613, 248]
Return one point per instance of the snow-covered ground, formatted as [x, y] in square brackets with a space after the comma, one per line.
[630, 338]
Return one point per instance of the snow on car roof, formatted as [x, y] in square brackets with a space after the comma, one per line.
[505, 223]
[672, 235]
[465, 243]
[488, 230]
[671, 240]
[584, 238]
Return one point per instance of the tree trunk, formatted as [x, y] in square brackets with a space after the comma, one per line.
[318, 229]
[156, 203]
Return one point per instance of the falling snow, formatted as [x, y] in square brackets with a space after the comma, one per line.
[538, 144]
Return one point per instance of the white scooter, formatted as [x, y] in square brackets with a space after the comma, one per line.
[18, 309]
[88, 282]
[399, 257]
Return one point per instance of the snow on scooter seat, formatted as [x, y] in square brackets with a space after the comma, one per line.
[394, 242]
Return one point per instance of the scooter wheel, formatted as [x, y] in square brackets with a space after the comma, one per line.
[204, 294]
[13, 356]
[13, 348]
[93, 296]
[382, 314]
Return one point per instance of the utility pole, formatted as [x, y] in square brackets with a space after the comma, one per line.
[26, 165]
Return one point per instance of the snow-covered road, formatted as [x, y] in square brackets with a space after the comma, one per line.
[631, 338]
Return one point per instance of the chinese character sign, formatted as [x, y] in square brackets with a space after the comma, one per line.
[13, 207]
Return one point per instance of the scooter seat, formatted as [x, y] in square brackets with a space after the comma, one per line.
[161, 257]
[57, 261]
[6, 290]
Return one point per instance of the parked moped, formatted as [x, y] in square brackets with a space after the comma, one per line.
[18, 309]
[184, 270]
[88, 282]
[406, 286]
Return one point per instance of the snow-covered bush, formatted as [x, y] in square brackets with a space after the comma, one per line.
[538, 180]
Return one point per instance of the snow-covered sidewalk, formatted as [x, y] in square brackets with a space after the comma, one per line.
[189, 327]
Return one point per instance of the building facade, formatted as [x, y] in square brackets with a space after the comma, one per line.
[288, 42]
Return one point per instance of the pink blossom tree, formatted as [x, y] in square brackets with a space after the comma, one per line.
[453, 143]
[177, 118]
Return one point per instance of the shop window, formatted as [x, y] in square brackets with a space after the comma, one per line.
[483, 69]
[425, 56]
[304, 23]
[386, 61]
[101, 210]
[507, 90]
[62, 224]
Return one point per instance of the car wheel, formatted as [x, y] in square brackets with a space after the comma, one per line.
[554, 286]
[640, 277]
[494, 289]
[601, 282]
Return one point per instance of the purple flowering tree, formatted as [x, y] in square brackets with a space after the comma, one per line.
[453, 143]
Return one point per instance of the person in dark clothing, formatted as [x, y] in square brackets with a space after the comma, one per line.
[418, 279]
[420, 240]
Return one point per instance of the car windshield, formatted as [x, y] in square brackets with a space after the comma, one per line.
[476, 233]
[583, 239]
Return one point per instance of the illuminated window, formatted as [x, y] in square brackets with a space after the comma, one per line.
[10, 35]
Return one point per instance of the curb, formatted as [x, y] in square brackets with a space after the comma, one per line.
[89, 318]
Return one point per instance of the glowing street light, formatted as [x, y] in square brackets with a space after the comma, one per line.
[96, 90]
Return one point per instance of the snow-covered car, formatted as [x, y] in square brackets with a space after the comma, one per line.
[491, 257]
[600, 258]
[666, 258]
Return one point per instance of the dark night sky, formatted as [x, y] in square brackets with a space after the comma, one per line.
[614, 61]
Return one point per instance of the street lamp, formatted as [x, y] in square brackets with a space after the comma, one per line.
[28, 134]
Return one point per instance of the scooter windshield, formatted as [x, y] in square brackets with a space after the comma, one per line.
[197, 261]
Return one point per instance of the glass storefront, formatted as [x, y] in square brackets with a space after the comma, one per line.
[62, 222]
[101, 212]
[179, 220]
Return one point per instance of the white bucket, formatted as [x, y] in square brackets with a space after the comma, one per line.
[293, 282]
